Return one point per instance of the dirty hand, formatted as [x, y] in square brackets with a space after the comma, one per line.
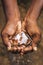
[8, 31]
[34, 32]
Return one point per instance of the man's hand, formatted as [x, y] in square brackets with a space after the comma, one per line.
[34, 32]
[9, 31]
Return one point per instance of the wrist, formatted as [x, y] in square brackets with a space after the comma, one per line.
[13, 20]
[31, 20]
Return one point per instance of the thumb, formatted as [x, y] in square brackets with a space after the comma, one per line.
[6, 40]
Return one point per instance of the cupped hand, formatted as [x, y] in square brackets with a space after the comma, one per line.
[9, 31]
[32, 29]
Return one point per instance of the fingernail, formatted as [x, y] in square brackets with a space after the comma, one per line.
[35, 48]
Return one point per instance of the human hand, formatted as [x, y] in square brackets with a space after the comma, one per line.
[32, 29]
[8, 32]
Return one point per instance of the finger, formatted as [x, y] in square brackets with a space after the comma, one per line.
[20, 48]
[14, 45]
[26, 49]
[17, 48]
[35, 40]
[6, 41]
[29, 48]
[34, 46]
[13, 49]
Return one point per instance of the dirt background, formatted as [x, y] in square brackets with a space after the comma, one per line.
[31, 58]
